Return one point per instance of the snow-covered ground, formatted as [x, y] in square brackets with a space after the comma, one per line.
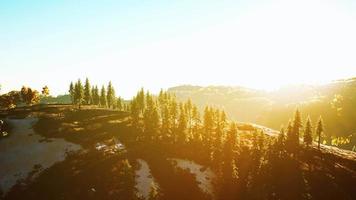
[144, 179]
[23, 149]
[204, 176]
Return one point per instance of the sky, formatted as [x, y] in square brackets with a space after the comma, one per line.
[159, 44]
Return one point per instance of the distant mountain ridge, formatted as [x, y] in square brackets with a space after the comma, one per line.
[334, 101]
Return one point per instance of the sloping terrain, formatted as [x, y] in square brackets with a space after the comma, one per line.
[114, 165]
[334, 101]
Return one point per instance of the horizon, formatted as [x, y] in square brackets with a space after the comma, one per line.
[259, 45]
[155, 92]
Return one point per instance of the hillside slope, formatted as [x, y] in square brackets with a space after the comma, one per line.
[335, 102]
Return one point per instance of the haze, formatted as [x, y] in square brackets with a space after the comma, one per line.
[258, 44]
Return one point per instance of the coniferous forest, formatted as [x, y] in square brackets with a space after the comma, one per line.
[173, 139]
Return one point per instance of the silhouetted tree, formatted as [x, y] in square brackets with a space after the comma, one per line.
[103, 102]
[110, 97]
[92, 92]
[135, 113]
[182, 125]
[188, 107]
[140, 100]
[308, 139]
[78, 93]
[119, 105]
[290, 144]
[87, 92]
[281, 137]
[319, 130]
[297, 124]
[96, 96]
[228, 151]
[151, 117]
[208, 124]
[173, 110]
[71, 92]
[196, 122]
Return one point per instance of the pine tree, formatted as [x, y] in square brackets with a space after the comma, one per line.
[119, 103]
[173, 110]
[96, 96]
[308, 139]
[220, 122]
[92, 91]
[208, 125]
[135, 113]
[151, 117]
[281, 137]
[79, 93]
[223, 119]
[141, 101]
[87, 92]
[110, 97]
[71, 92]
[297, 124]
[162, 101]
[182, 124]
[103, 97]
[189, 114]
[196, 122]
[228, 153]
[290, 137]
[319, 130]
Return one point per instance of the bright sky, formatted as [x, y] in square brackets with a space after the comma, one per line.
[159, 44]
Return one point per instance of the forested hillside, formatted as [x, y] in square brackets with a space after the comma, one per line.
[158, 147]
[335, 102]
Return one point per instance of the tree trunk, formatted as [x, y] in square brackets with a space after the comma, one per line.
[319, 142]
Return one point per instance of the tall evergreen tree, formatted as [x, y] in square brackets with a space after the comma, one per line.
[228, 153]
[281, 137]
[110, 96]
[166, 121]
[308, 139]
[92, 92]
[189, 114]
[103, 102]
[119, 105]
[173, 110]
[87, 92]
[220, 121]
[208, 125]
[151, 117]
[196, 122]
[78, 93]
[182, 124]
[96, 96]
[319, 130]
[140, 98]
[297, 124]
[135, 113]
[71, 92]
[290, 144]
